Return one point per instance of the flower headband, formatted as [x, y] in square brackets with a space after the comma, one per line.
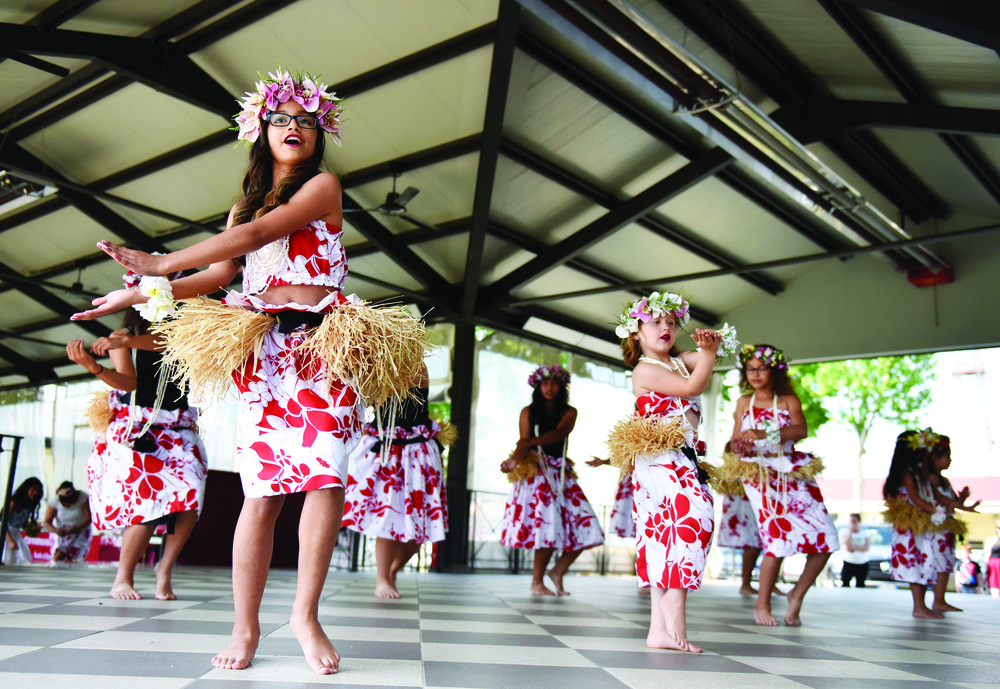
[278, 88]
[648, 308]
[924, 440]
[771, 356]
[545, 372]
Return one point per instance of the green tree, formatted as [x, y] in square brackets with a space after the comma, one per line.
[857, 392]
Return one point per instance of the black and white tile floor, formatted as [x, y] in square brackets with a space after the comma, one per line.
[59, 628]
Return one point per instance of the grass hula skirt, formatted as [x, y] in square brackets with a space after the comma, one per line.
[526, 469]
[98, 412]
[637, 437]
[447, 435]
[905, 516]
[377, 351]
[728, 486]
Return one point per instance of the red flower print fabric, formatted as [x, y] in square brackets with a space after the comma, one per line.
[791, 514]
[404, 499]
[673, 511]
[738, 528]
[536, 516]
[622, 524]
[128, 486]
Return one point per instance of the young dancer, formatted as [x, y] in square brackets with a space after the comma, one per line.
[779, 481]
[672, 506]
[148, 467]
[546, 509]
[23, 513]
[991, 549]
[620, 522]
[290, 342]
[396, 494]
[911, 510]
[946, 540]
[69, 507]
[738, 528]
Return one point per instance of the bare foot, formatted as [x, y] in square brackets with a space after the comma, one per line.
[748, 591]
[320, 653]
[163, 588]
[764, 618]
[383, 589]
[558, 580]
[666, 640]
[776, 592]
[539, 589]
[944, 607]
[794, 605]
[122, 590]
[927, 614]
[239, 653]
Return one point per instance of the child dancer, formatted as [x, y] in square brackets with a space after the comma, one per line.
[912, 512]
[290, 342]
[546, 509]
[779, 480]
[396, 494]
[672, 506]
[945, 540]
[69, 507]
[23, 513]
[620, 522]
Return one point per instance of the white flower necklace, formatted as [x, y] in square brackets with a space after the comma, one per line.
[677, 365]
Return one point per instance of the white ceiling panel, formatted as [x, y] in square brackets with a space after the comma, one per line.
[126, 17]
[59, 237]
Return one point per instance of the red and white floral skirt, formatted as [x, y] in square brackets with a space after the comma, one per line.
[738, 527]
[621, 523]
[128, 486]
[537, 516]
[404, 499]
[674, 520]
[791, 514]
[913, 559]
[944, 551]
[293, 434]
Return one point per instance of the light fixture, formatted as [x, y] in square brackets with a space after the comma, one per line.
[16, 192]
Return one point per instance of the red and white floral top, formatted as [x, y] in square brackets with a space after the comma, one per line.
[312, 255]
[655, 404]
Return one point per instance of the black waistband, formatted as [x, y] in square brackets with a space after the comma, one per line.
[377, 447]
[291, 319]
[690, 454]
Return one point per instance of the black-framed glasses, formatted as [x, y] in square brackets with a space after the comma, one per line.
[758, 370]
[280, 119]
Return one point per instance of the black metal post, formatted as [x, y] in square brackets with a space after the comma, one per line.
[9, 490]
[453, 553]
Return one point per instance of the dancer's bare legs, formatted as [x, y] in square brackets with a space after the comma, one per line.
[134, 543]
[562, 565]
[668, 620]
[318, 527]
[253, 543]
[815, 563]
[750, 556]
[769, 569]
[173, 544]
[939, 590]
[386, 552]
[542, 557]
[403, 554]
[920, 609]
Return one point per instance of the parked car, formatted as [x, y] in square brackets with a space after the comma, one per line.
[879, 555]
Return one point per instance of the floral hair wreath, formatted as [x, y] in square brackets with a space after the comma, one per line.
[771, 356]
[925, 440]
[280, 87]
[545, 372]
[648, 308]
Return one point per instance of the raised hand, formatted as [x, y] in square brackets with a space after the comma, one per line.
[597, 462]
[707, 340]
[108, 304]
[115, 340]
[77, 353]
[137, 261]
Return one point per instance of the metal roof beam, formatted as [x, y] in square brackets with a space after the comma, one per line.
[50, 301]
[865, 35]
[25, 366]
[677, 236]
[736, 35]
[971, 21]
[496, 106]
[411, 237]
[413, 161]
[567, 249]
[513, 323]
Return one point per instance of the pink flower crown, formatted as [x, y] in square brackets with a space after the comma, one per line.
[771, 356]
[545, 372]
[278, 88]
[647, 308]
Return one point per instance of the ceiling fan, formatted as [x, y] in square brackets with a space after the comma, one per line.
[395, 205]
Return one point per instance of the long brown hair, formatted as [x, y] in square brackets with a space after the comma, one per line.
[260, 196]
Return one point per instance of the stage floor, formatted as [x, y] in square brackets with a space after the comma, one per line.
[59, 628]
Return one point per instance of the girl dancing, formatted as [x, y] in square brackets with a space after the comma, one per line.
[672, 505]
[546, 509]
[779, 481]
[290, 341]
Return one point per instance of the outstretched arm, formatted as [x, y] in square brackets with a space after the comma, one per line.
[318, 198]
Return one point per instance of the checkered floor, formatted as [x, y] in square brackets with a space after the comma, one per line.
[59, 628]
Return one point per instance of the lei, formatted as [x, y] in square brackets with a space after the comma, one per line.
[545, 372]
[280, 87]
